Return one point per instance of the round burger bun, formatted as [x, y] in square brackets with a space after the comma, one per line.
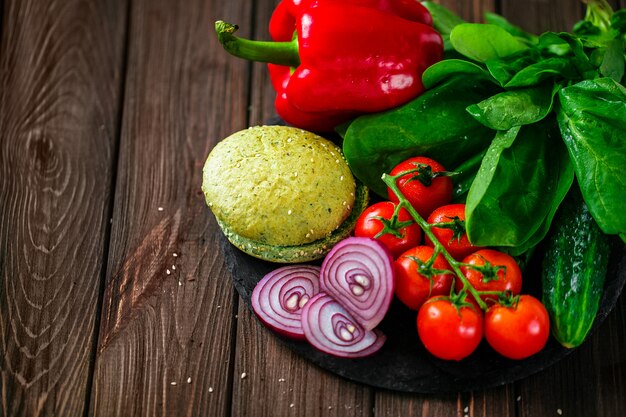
[282, 194]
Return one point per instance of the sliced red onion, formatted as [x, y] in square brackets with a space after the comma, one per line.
[358, 272]
[331, 329]
[279, 296]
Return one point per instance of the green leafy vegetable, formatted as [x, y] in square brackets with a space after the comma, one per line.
[599, 14]
[564, 182]
[612, 65]
[505, 68]
[482, 42]
[518, 186]
[551, 58]
[541, 71]
[519, 33]
[580, 60]
[618, 21]
[451, 67]
[592, 119]
[515, 108]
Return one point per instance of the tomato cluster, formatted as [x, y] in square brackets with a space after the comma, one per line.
[462, 293]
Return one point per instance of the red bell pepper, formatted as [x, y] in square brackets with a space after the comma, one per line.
[332, 60]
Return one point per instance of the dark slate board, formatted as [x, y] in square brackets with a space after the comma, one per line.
[403, 364]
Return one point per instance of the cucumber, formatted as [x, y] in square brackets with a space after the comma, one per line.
[574, 271]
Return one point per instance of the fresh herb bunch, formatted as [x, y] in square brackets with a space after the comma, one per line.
[519, 117]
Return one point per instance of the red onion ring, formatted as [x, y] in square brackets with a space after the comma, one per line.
[330, 328]
[278, 298]
[358, 272]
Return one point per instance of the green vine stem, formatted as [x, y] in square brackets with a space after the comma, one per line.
[391, 181]
[392, 225]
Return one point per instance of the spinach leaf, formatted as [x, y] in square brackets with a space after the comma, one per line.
[581, 60]
[563, 184]
[612, 65]
[504, 69]
[482, 183]
[482, 42]
[592, 119]
[497, 20]
[515, 107]
[434, 124]
[551, 58]
[585, 28]
[553, 45]
[517, 185]
[556, 56]
[451, 67]
[618, 21]
[541, 71]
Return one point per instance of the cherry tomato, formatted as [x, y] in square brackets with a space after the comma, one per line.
[398, 234]
[453, 236]
[416, 281]
[519, 331]
[424, 192]
[500, 273]
[448, 331]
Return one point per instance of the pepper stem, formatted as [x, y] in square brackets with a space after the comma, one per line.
[280, 53]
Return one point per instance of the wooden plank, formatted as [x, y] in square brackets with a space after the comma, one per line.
[537, 16]
[2, 24]
[61, 66]
[165, 339]
[278, 382]
[491, 402]
[471, 11]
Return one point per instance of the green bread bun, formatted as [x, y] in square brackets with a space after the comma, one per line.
[281, 193]
[301, 253]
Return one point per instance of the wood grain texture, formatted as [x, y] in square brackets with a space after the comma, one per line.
[471, 11]
[60, 85]
[165, 336]
[272, 381]
[493, 402]
[537, 16]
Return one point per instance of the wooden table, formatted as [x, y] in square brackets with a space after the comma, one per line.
[114, 296]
